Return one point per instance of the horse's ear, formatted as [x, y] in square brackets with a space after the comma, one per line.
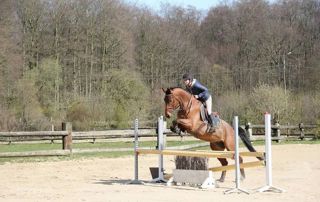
[166, 91]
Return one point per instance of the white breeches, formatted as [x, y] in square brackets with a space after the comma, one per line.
[209, 105]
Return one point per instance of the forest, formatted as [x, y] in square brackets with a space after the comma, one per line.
[102, 63]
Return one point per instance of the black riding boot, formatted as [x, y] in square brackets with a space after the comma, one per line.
[214, 122]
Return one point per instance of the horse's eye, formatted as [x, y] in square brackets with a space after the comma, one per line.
[167, 99]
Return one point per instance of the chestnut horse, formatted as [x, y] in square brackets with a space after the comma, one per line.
[189, 120]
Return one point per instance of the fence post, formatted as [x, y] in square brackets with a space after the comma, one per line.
[278, 132]
[52, 129]
[249, 130]
[67, 140]
[301, 131]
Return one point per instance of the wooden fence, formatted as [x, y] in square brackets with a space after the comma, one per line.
[255, 132]
[283, 132]
[10, 137]
[67, 136]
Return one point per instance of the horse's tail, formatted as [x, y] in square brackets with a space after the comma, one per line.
[247, 142]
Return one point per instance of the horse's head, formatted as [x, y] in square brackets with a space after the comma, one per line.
[171, 102]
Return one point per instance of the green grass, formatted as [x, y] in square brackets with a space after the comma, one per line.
[28, 147]
[54, 146]
[98, 145]
[151, 144]
[65, 158]
[289, 142]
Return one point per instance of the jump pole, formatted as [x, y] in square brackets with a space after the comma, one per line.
[269, 187]
[237, 189]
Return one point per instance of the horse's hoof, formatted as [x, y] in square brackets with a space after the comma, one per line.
[175, 129]
[221, 180]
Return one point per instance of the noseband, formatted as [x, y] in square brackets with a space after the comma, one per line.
[185, 110]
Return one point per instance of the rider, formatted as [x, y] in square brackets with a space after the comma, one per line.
[201, 93]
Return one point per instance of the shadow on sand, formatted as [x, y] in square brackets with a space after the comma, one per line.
[116, 181]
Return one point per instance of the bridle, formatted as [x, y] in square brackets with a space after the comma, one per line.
[186, 109]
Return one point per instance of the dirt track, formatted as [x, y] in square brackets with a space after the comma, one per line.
[296, 168]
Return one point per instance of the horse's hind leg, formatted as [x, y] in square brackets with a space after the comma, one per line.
[231, 147]
[243, 175]
[219, 146]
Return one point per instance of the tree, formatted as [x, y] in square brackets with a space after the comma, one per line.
[49, 82]
[31, 14]
[74, 47]
[271, 99]
[27, 107]
[218, 79]
[128, 95]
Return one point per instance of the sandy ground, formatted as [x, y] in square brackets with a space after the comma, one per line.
[296, 168]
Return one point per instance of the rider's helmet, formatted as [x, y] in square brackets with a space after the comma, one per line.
[187, 76]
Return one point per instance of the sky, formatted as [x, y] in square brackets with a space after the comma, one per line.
[203, 5]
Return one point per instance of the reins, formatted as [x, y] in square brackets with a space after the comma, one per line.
[188, 107]
[189, 103]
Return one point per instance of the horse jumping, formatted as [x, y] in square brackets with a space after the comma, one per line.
[189, 120]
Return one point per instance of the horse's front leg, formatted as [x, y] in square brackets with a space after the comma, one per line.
[185, 124]
[175, 127]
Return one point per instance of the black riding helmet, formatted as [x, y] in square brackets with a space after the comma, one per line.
[187, 76]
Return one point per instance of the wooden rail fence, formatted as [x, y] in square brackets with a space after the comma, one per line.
[283, 132]
[65, 135]
[255, 132]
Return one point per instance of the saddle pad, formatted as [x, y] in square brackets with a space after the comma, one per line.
[203, 113]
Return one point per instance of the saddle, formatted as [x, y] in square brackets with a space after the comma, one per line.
[205, 117]
[204, 114]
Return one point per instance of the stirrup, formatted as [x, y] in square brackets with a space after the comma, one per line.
[214, 126]
[211, 128]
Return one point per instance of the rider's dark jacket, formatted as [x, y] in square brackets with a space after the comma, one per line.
[198, 89]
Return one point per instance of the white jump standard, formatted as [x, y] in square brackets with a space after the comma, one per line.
[237, 189]
[160, 145]
[136, 156]
[269, 187]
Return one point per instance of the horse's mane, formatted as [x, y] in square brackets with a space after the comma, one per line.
[168, 91]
